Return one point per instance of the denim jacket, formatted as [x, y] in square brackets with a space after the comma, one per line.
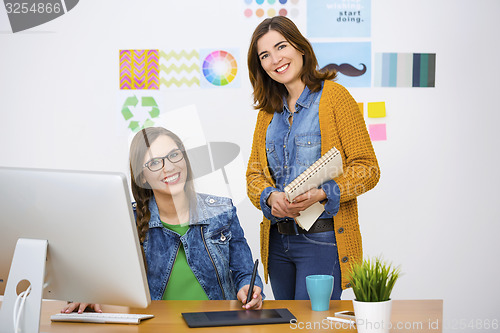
[291, 149]
[215, 246]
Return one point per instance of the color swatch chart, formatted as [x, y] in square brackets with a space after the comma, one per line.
[405, 70]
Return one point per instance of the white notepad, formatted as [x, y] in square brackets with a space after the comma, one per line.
[327, 167]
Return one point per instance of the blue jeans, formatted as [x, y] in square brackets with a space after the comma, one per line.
[293, 257]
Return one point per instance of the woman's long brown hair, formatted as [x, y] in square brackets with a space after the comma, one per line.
[142, 191]
[267, 93]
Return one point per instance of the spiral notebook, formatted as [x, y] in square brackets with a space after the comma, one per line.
[327, 167]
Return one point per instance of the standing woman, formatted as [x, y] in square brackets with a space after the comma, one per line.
[302, 115]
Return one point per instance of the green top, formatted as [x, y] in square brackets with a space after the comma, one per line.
[182, 284]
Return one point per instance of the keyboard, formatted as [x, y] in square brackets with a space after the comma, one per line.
[101, 318]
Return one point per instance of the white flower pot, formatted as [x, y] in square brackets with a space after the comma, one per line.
[373, 317]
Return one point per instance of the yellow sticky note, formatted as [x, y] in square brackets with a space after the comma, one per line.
[376, 109]
[360, 106]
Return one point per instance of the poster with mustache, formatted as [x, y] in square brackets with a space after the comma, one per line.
[351, 60]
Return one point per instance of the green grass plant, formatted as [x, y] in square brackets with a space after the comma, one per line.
[372, 280]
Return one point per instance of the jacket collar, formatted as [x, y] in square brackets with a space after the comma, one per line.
[198, 212]
[306, 98]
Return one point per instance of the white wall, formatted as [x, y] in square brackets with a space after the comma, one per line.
[435, 211]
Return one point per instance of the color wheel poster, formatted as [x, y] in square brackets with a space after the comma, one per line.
[219, 68]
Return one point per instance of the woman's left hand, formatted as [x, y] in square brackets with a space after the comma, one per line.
[305, 200]
[256, 300]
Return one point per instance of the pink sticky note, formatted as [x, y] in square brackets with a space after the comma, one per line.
[377, 132]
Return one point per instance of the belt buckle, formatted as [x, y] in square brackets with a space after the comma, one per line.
[286, 227]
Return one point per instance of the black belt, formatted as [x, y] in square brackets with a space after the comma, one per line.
[288, 227]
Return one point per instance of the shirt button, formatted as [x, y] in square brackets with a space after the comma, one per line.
[341, 230]
[284, 146]
[348, 285]
[345, 259]
[211, 201]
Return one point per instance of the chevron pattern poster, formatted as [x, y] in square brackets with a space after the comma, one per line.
[139, 69]
[180, 69]
[405, 70]
[157, 69]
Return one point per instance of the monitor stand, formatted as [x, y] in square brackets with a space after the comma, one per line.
[28, 264]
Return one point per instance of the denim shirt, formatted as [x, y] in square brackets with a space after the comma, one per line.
[216, 249]
[291, 149]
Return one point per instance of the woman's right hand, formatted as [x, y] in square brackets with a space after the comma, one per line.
[80, 307]
[280, 205]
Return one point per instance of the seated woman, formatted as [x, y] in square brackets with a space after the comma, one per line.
[193, 243]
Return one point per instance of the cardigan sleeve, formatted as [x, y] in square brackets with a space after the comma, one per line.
[258, 175]
[361, 170]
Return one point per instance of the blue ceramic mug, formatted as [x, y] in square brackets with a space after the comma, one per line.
[319, 288]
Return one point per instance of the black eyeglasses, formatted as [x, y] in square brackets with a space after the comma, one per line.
[158, 163]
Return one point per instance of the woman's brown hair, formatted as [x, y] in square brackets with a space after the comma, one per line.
[142, 191]
[267, 93]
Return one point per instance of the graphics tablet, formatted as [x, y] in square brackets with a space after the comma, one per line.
[238, 317]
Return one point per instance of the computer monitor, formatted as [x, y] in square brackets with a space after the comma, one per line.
[93, 253]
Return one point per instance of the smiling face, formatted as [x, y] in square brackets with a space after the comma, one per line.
[170, 179]
[279, 58]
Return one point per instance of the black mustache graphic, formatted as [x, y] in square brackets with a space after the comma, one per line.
[345, 69]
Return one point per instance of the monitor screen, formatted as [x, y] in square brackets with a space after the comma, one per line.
[93, 253]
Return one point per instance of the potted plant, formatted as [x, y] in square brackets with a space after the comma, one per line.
[372, 281]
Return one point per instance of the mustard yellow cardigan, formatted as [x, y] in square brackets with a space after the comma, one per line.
[342, 126]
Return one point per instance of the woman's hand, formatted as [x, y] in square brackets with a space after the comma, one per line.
[81, 307]
[305, 200]
[280, 207]
[256, 300]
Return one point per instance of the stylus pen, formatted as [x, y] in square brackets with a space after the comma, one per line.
[252, 281]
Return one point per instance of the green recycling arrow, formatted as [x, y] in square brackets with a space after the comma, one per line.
[146, 101]
[130, 101]
[150, 101]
